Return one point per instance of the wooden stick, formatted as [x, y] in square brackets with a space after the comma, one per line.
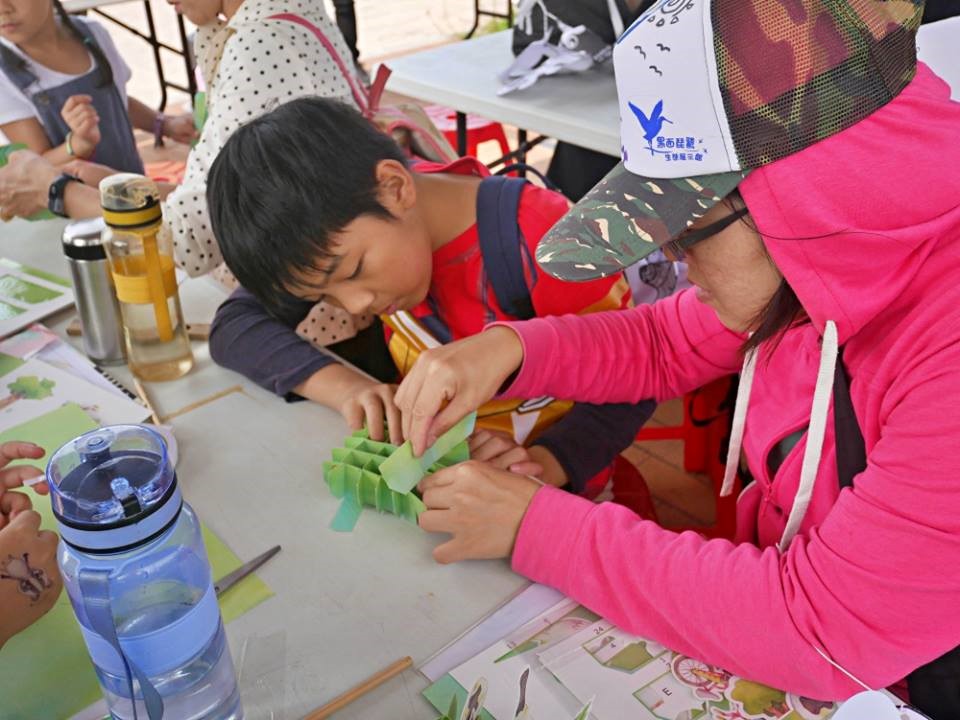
[360, 690]
[145, 399]
[206, 401]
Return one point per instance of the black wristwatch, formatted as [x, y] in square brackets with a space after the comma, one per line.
[55, 201]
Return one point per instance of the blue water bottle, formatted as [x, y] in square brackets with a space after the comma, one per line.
[137, 574]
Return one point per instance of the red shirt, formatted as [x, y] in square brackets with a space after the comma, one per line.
[461, 297]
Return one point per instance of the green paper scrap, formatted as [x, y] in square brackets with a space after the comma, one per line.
[402, 471]
[5, 152]
[347, 514]
[52, 676]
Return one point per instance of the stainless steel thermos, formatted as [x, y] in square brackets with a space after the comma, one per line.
[95, 295]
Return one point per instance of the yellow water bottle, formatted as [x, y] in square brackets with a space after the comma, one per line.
[143, 273]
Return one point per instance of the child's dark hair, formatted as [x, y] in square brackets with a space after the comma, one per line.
[103, 65]
[287, 181]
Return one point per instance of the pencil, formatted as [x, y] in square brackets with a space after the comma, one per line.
[360, 690]
[145, 399]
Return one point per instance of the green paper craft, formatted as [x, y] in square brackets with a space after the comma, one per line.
[52, 676]
[402, 471]
[354, 474]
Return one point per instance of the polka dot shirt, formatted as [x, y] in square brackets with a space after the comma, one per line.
[251, 65]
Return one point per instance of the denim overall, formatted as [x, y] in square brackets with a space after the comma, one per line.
[117, 148]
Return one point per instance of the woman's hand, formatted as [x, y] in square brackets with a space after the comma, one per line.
[460, 376]
[500, 450]
[25, 185]
[180, 128]
[29, 578]
[480, 506]
[84, 122]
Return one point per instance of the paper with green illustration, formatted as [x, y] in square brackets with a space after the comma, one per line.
[52, 676]
[28, 295]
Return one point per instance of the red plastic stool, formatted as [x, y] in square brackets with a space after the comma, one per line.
[479, 130]
[706, 425]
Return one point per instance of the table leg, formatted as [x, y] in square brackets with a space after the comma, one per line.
[522, 151]
[155, 44]
[477, 12]
[461, 133]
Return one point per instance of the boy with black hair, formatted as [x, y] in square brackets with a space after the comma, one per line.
[312, 202]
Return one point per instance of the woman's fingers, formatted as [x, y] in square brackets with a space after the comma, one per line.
[373, 410]
[12, 477]
[394, 419]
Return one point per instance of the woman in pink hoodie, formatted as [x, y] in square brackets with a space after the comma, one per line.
[817, 200]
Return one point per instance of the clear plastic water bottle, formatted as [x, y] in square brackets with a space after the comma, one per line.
[136, 571]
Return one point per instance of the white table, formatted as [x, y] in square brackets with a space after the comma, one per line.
[346, 605]
[579, 109]
[151, 37]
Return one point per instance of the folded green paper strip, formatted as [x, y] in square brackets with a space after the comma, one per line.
[403, 471]
[354, 474]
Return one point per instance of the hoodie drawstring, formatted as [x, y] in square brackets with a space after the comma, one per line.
[829, 349]
[813, 451]
[739, 422]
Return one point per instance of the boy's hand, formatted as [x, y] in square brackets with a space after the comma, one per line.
[449, 382]
[480, 506]
[503, 453]
[11, 477]
[29, 578]
[369, 405]
[82, 119]
[180, 128]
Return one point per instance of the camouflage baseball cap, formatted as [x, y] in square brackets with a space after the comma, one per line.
[710, 89]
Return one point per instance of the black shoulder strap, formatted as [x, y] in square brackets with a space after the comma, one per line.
[498, 200]
[850, 449]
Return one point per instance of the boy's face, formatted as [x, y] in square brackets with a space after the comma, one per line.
[379, 265]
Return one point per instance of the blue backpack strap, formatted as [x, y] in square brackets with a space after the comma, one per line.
[502, 245]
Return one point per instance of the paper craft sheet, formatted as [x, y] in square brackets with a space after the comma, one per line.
[32, 388]
[576, 657]
[28, 295]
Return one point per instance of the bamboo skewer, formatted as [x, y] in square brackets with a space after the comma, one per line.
[360, 690]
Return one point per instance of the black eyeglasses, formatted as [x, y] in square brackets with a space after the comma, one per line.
[676, 249]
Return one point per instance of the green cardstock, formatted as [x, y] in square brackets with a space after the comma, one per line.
[403, 471]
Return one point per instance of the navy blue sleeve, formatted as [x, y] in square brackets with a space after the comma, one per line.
[245, 338]
[589, 437]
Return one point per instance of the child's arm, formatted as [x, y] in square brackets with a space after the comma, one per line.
[248, 340]
[589, 437]
[81, 118]
[176, 127]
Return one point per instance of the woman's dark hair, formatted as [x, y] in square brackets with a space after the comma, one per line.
[782, 311]
[100, 60]
[285, 183]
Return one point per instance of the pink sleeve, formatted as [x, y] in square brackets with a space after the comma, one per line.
[873, 584]
[660, 351]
